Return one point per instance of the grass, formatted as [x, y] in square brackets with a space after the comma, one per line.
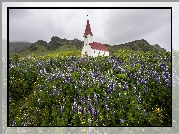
[41, 48]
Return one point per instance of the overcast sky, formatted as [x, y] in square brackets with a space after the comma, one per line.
[109, 26]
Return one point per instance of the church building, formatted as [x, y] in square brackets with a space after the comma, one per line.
[90, 47]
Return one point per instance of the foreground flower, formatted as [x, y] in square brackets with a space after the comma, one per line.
[122, 120]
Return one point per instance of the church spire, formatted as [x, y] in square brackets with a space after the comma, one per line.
[88, 29]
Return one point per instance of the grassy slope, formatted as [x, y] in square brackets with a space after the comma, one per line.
[136, 46]
[38, 52]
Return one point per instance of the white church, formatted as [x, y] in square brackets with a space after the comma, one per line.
[90, 47]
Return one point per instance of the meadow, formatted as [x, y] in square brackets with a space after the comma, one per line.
[123, 90]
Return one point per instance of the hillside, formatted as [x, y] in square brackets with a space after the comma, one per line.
[136, 46]
[63, 45]
[18, 46]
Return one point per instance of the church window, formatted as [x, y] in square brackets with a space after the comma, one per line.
[94, 51]
[85, 36]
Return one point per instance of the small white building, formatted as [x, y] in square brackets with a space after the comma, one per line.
[90, 47]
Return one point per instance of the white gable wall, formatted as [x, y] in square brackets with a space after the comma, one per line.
[86, 48]
[95, 53]
[106, 53]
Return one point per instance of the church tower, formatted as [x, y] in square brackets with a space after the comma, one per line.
[88, 38]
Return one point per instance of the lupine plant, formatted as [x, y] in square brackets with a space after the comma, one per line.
[124, 90]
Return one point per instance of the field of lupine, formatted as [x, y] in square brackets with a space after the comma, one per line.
[125, 90]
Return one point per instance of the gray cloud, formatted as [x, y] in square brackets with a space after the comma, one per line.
[115, 26]
[128, 25]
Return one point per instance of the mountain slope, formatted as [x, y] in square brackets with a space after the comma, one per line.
[63, 45]
[136, 46]
[18, 46]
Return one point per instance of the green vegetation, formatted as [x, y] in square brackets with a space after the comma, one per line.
[123, 90]
[57, 45]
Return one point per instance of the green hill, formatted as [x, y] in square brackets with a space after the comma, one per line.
[57, 45]
[18, 46]
[136, 46]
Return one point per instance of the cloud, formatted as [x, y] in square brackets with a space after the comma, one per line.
[109, 26]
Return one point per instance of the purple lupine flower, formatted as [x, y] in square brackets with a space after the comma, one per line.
[134, 89]
[36, 110]
[168, 83]
[14, 123]
[143, 81]
[61, 109]
[24, 124]
[74, 107]
[88, 111]
[113, 114]
[108, 90]
[144, 112]
[93, 111]
[166, 80]
[97, 122]
[82, 102]
[89, 122]
[126, 87]
[138, 108]
[96, 101]
[107, 97]
[84, 111]
[167, 75]
[89, 103]
[162, 65]
[120, 95]
[25, 116]
[106, 106]
[89, 98]
[145, 89]
[79, 109]
[164, 102]
[41, 71]
[59, 92]
[95, 96]
[122, 120]
[139, 99]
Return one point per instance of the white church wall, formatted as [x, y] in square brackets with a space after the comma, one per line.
[86, 48]
[96, 52]
[89, 39]
[106, 53]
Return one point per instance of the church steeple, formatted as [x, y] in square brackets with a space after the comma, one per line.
[88, 29]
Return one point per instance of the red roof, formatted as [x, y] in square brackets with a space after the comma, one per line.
[98, 46]
[88, 29]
